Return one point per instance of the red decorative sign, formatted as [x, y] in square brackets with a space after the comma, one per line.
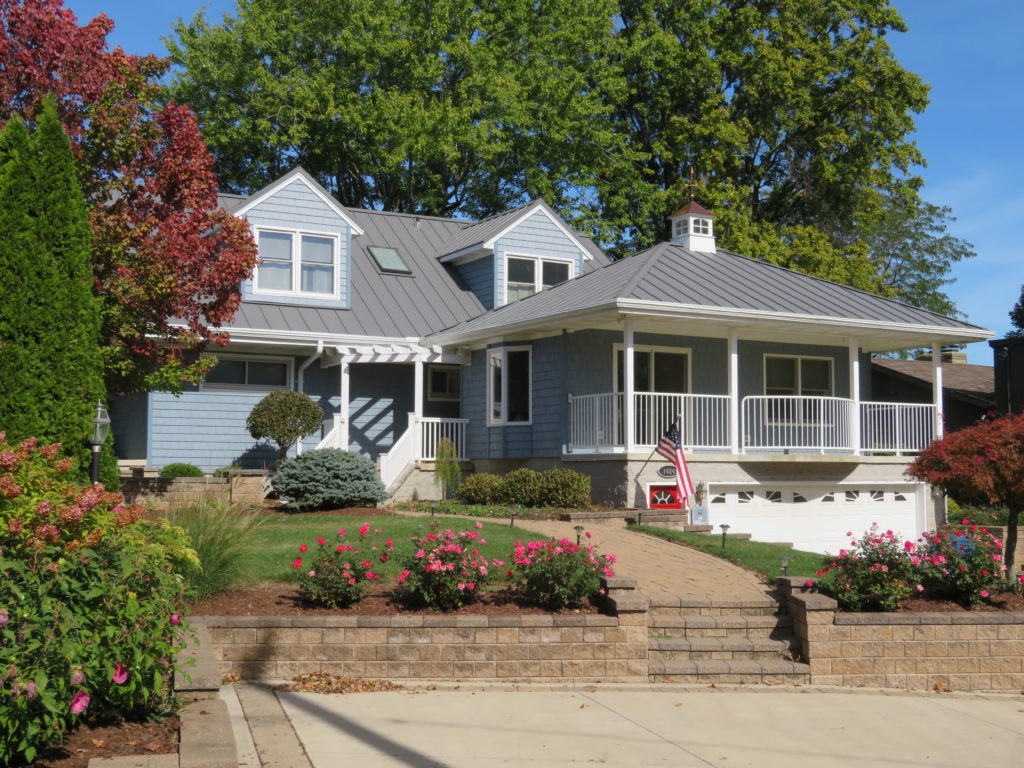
[664, 497]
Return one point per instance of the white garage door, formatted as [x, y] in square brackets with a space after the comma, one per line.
[816, 518]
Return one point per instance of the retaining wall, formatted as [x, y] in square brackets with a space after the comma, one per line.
[977, 650]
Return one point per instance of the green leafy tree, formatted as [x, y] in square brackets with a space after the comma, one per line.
[51, 372]
[455, 106]
[981, 464]
[284, 417]
[1017, 317]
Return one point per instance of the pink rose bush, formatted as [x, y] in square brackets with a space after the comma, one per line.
[559, 574]
[447, 570]
[879, 570]
[337, 574]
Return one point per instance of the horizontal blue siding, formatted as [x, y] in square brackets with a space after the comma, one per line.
[296, 207]
[381, 398]
[479, 276]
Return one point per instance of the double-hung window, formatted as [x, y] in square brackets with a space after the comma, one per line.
[527, 275]
[800, 376]
[297, 263]
[508, 387]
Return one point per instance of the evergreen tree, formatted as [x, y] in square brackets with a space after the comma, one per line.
[1017, 317]
[51, 373]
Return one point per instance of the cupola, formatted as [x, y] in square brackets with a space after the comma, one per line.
[693, 228]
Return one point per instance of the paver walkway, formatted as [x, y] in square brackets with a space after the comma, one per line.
[663, 570]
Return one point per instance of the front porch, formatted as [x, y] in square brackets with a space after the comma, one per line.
[602, 423]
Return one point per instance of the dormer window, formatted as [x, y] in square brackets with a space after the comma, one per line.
[297, 263]
[527, 275]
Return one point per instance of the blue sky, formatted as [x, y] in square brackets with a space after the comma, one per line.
[970, 55]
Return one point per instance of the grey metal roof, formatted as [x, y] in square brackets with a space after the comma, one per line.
[385, 305]
[678, 278]
[479, 232]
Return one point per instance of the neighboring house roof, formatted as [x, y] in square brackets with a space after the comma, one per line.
[670, 281]
[974, 384]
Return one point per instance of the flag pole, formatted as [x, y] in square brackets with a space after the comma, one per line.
[636, 478]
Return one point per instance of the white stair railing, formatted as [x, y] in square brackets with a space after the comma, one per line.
[402, 453]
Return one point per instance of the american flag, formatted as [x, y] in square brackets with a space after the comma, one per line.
[671, 447]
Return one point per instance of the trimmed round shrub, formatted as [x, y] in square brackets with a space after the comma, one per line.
[480, 488]
[284, 417]
[564, 488]
[520, 486]
[181, 469]
[328, 478]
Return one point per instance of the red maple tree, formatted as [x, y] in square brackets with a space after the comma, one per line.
[982, 463]
[167, 261]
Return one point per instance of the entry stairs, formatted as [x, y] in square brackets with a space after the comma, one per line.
[723, 642]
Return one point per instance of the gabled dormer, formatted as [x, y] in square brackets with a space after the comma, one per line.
[304, 238]
[693, 228]
[516, 254]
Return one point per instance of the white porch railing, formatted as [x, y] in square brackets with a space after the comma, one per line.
[767, 423]
[780, 423]
[336, 435]
[703, 419]
[419, 442]
[896, 427]
[595, 422]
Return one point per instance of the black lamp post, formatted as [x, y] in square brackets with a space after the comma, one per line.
[579, 533]
[100, 431]
[725, 532]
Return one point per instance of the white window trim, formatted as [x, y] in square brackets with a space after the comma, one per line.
[442, 397]
[538, 272]
[650, 348]
[296, 235]
[289, 373]
[502, 352]
[799, 383]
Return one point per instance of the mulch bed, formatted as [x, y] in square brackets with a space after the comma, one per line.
[91, 740]
[997, 601]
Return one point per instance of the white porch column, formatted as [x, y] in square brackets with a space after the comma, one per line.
[343, 413]
[734, 392]
[937, 386]
[629, 412]
[416, 417]
[855, 396]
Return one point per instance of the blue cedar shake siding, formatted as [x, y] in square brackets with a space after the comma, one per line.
[536, 235]
[381, 400]
[296, 209]
[479, 277]
[130, 419]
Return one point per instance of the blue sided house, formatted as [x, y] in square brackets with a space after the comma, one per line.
[519, 340]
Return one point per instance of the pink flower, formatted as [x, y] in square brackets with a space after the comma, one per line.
[479, 525]
[341, 532]
[364, 529]
[919, 588]
[297, 563]
[321, 540]
[984, 593]
[79, 702]
[175, 619]
[77, 677]
[4, 618]
[120, 674]
[808, 583]
[303, 547]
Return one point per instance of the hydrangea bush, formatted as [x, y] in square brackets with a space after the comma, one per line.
[89, 603]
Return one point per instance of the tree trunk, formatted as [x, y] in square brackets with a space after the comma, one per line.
[1011, 542]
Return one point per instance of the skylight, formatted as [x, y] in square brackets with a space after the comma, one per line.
[388, 260]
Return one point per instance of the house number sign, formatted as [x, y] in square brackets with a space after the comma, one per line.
[668, 471]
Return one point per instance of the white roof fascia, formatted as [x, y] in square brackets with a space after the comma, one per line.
[543, 208]
[311, 337]
[548, 321]
[464, 254]
[311, 184]
[638, 307]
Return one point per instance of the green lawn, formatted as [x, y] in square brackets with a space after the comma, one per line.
[275, 544]
[762, 558]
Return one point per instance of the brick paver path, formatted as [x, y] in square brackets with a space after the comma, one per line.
[663, 570]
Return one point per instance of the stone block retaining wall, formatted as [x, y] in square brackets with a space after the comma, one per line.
[160, 494]
[982, 651]
[584, 647]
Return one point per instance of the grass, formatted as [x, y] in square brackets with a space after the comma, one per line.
[275, 544]
[763, 558]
